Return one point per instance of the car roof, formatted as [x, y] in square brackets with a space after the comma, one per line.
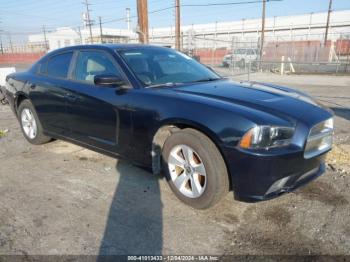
[94, 46]
[104, 46]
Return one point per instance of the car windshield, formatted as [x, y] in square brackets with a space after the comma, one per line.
[163, 66]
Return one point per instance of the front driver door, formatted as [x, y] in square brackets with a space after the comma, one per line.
[92, 110]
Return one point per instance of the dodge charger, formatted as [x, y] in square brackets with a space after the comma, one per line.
[163, 110]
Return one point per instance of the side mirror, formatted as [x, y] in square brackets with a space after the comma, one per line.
[108, 80]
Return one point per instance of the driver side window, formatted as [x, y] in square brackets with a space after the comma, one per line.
[92, 63]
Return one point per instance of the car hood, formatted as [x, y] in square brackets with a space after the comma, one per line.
[280, 101]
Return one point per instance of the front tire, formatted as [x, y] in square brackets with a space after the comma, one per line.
[30, 124]
[195, 169]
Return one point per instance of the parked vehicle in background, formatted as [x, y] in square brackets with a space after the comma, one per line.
[240, 57]
[163, 110]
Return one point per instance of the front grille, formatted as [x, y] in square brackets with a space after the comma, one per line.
[320, 139]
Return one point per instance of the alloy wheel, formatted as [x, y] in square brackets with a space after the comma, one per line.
[187, 171]
[28, 123]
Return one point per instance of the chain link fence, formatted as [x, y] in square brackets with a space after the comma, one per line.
[298, 54]
[237, 53]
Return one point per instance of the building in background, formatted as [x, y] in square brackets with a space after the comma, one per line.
[67, 36]
[307, 27]
[298, 38]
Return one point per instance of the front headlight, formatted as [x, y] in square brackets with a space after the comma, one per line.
[265, 137]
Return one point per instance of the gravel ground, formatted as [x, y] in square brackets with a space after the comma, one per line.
[62, 199]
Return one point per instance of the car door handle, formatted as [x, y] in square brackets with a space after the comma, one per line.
[71, 97]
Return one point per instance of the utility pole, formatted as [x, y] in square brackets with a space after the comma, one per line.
[45, 39]
[142, 13]
[2, 48]
[177, 25]
[99, 19]
[262, 32]
[128, 20]
[88, 19]
[327, 25]
[310, 23]
[10, 42]
[80, 36]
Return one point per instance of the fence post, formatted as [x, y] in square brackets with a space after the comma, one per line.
[249, 66]
[282, 65]
[232, 63]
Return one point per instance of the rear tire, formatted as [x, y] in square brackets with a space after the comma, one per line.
[200, 179]
[30, 124]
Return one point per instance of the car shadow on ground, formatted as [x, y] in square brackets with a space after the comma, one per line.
[342, 112]
[134, 224]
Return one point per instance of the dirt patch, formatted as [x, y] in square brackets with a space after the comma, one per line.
[268, 231]
[339, 158]
[323, 192]
[277, 215]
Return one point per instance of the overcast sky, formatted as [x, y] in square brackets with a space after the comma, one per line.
[22, 17]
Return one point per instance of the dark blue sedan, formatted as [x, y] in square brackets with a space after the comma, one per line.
[162, 109]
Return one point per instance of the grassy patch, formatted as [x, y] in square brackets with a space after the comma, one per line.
[3, 133]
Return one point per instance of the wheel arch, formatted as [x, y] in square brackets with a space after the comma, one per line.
[170, 126]
[20, 97]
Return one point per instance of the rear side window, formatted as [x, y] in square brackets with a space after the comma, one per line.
[58, 65]
[42, 68]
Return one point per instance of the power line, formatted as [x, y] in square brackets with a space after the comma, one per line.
[135, 16]
[229, 3]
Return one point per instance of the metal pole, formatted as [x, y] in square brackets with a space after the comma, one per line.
[89, 20]
[249, 68]
[327, 25]
[10, 42]
[80, 36]
[310, 23]
[213, 58]
[100, 21]
[347, 58]
[128, 20]
[45, 39]
[2, 48]
[262, 32]
[177, 25]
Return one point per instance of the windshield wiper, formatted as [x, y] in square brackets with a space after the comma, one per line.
[209, 79]
[164, 84]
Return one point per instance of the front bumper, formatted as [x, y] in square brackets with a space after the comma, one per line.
[258, 177]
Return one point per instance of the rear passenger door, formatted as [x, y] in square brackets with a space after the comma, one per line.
[48, 92]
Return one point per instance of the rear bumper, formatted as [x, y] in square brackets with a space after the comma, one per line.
[10, 99]
[258, 177]
[3, 99]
